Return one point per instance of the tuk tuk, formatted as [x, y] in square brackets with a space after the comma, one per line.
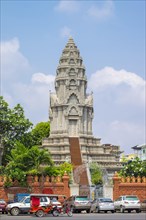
[40, 204]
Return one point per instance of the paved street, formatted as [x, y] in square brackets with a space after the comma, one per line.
[82, 216]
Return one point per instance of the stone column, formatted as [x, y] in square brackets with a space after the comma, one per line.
[36, 185]
[85, 121]
[65, 180]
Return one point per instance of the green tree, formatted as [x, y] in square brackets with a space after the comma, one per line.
[66, 167]
[28, 158]
[59, 170]
[134, 168]
[39, 157]
[40, 131]
[23, 160]
[13, 126]
[52, 171]
[124, 159]
[96, 174]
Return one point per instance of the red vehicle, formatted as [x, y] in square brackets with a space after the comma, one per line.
[3, 205]
[65, 209]
[38, 207]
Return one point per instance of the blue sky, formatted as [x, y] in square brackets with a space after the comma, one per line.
[111, 38]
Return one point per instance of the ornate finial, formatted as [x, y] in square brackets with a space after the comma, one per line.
[70, 40]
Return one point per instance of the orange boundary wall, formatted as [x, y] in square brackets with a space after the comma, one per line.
[36, 184]
[129, 186]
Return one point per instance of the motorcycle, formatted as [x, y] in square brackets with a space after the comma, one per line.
[65, 209]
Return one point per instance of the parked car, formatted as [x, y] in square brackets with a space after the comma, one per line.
[127, 202]
[143, 205]
[3, 205]
[19, 196]
[102, 204]
[78, 203]
[24, 205]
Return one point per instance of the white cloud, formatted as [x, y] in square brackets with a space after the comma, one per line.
[124, 133]
[103, 12]
[34, 96]
[108, 76]
[12, 60]
[11, 46]
[35, 100]
[65, 32]
[19, 85]
[129, 87]
[67, 6]
[42, 78]
[119, 106]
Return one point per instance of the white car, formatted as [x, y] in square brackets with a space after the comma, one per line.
[102, 204]
[24, 205]
[78, 203]
[127, 202]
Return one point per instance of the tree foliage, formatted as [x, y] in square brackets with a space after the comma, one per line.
[135, 167]
[40, 131]
[19, 144]
[40, 157]
[59, 170]
[23, 161]
[13, 126]
[28, 158]
[96, 174]
[66, 167]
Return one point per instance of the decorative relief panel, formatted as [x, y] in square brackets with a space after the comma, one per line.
[78, 110]
[73, 111]
[73, 99]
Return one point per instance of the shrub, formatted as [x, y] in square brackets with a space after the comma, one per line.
[134, 168]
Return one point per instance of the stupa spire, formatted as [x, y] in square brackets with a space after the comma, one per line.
[71, 115]
[70, 40]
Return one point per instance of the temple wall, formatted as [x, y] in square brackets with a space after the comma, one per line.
[129, 186]
[35, 184]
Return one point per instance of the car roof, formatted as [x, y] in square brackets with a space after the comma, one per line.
[126, 195]
[130, 195]
[47, 195]
[81, 196]
[104, 199]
